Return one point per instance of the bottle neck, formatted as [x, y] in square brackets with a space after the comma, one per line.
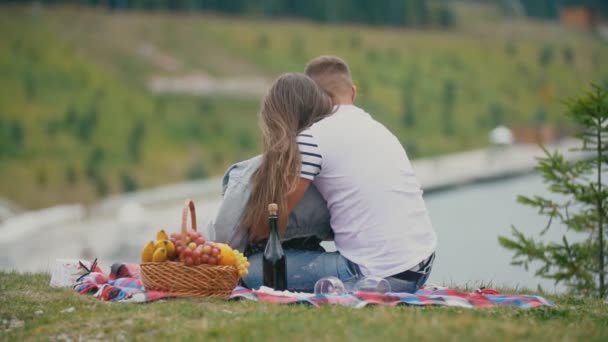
[273, 227]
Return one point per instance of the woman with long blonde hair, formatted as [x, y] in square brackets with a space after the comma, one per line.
[293, 103]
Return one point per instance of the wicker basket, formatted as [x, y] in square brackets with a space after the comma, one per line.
[189, 281]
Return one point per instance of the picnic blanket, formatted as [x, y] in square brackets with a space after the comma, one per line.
[124, 285]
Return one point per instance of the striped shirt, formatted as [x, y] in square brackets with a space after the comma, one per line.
[310, 154]
[377, 212]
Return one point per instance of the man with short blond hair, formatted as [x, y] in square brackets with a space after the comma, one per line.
[332, 74]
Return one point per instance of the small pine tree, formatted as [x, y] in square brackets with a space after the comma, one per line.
[582, 207]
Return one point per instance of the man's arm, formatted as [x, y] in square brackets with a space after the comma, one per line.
[294, 197]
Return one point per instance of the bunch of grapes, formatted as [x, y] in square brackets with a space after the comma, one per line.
[196, 250]
[241, 263]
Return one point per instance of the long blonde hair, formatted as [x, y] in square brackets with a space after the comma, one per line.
[293, 103]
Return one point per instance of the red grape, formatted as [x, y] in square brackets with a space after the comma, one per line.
[212, 261]
[196, 253]
[187, 252]
[197, 260]
[188, 261]
[204, 258]
[215, 251]
[179, 249]
[206, 249]
[200, 240]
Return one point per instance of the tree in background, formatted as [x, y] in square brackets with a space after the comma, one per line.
[127, 182]
[371, 12]
[448, 99]
[409, 113]
[581, 207]
[568, 54]
[497, 115]
[12, 138]
[135, 141]
[546, 55]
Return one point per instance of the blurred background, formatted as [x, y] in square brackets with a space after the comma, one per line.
[112, 112]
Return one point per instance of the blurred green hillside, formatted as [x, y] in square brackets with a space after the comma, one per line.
[78, 121]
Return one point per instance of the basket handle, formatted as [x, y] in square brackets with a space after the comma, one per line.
[188, 207]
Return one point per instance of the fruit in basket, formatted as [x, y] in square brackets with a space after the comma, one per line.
[161, 235]
[228, 257]
[170, 249]
[242, 265]
[232, 257]
[160, 255]
[147, 252]
[193, 249]
[168, 245]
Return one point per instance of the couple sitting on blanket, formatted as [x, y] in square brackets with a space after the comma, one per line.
[335, 173]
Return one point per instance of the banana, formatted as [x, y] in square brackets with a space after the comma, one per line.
[168, 245]
[160, 255]
[161, 235]
[147, 252]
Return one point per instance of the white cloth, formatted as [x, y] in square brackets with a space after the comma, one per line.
[375, 202]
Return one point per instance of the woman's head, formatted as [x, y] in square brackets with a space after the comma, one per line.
[293, 103]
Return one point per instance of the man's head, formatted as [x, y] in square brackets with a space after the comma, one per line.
[332, 74]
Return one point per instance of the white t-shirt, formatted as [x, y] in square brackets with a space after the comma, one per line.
[375, 202]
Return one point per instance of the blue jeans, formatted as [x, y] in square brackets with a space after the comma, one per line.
[304, 268]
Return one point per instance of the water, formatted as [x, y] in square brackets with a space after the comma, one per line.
[468, 221]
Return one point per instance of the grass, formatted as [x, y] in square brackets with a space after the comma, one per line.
[62, 61]
[42, 310]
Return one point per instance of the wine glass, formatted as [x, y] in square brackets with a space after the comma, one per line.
[329, 286]
[373, 284]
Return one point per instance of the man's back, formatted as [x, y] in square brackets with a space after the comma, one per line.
[374, 198]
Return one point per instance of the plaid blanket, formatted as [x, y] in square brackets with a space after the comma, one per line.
[123, 285]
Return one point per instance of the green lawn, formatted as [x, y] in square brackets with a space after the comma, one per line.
[38, 312]
[74, 92]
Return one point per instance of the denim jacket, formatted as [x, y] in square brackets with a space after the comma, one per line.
[309, 218]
